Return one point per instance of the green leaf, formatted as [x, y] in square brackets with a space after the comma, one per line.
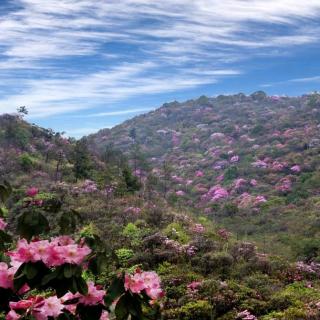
[121, 310]
[30, 270]
[82, 286]
[31, 224]
[115, 290]
[68, 270]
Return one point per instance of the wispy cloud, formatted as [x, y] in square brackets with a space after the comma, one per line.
[73, 55]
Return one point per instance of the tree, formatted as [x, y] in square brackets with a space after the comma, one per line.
[82, 161]
[22, 111]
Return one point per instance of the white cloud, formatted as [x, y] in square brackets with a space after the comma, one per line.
[185, 44]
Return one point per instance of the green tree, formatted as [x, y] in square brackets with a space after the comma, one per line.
[82, 161]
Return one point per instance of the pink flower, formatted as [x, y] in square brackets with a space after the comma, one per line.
[260, 199]
[199, 174]
[104, 315]
[180, 193]
[253, 182]
[6, 276]
[234, 159]
[32, 192]
[52, 307]
[148, 281]
[55, 253]
[94, 296]
[12, 315]
[2, 224]
[198, 228]
[296, 168]
[194, 285]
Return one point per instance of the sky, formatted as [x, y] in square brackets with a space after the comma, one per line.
[82, 65]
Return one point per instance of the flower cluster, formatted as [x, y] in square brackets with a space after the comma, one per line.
[52, 253]
[134, 210]
[246, 315]
[147, 281]
[215, 193]
[198, 228]
[3, 224]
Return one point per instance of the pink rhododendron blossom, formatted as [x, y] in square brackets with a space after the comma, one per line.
[216, 193]
[235, 159]
[260, 199]
[199, 174]
[220, 178]
[259, 164]
[52, 307]
[95, 295]
[194, 286]
[148, 281]
[246, 315]
[198, 228]
[238, 183]
[296, 168]
[253, 182]
[57, 252]
[12, 315]
[2, 224]
[180, 193]
[104, 315]
[6, 276]
[32, 192]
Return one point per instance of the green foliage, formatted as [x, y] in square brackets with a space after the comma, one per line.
[26, 161]
[81, 159]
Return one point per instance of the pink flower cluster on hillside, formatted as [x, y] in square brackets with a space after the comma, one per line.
[215, 193]
[147, 281]
[198, 228]
[246, 315]
[134, 210]
[56, 252]
[3, 224]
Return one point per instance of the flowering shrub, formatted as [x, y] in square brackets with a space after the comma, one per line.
[44, 278]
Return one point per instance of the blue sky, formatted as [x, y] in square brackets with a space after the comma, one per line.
[82, 65]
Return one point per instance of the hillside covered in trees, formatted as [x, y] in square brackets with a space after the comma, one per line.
[218, 196]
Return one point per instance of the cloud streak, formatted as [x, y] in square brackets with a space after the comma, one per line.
[75, 55]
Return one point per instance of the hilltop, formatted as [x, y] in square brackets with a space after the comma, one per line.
[250, 162]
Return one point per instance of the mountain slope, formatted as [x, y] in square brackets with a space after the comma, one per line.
[250, 162]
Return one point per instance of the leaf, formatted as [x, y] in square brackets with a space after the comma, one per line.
[68, 270]
[121, 310]
[115, 290]
[31, 224]
[89, 312]
[5, 191]
[30, 270]
[82, 286]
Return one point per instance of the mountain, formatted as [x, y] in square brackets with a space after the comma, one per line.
[250, 163]
[190, 191]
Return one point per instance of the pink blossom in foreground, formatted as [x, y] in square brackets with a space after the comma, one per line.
[2, 224]
[6, 276]
[95, 295]
[148, 281]
[55, 253]
[32, 192]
